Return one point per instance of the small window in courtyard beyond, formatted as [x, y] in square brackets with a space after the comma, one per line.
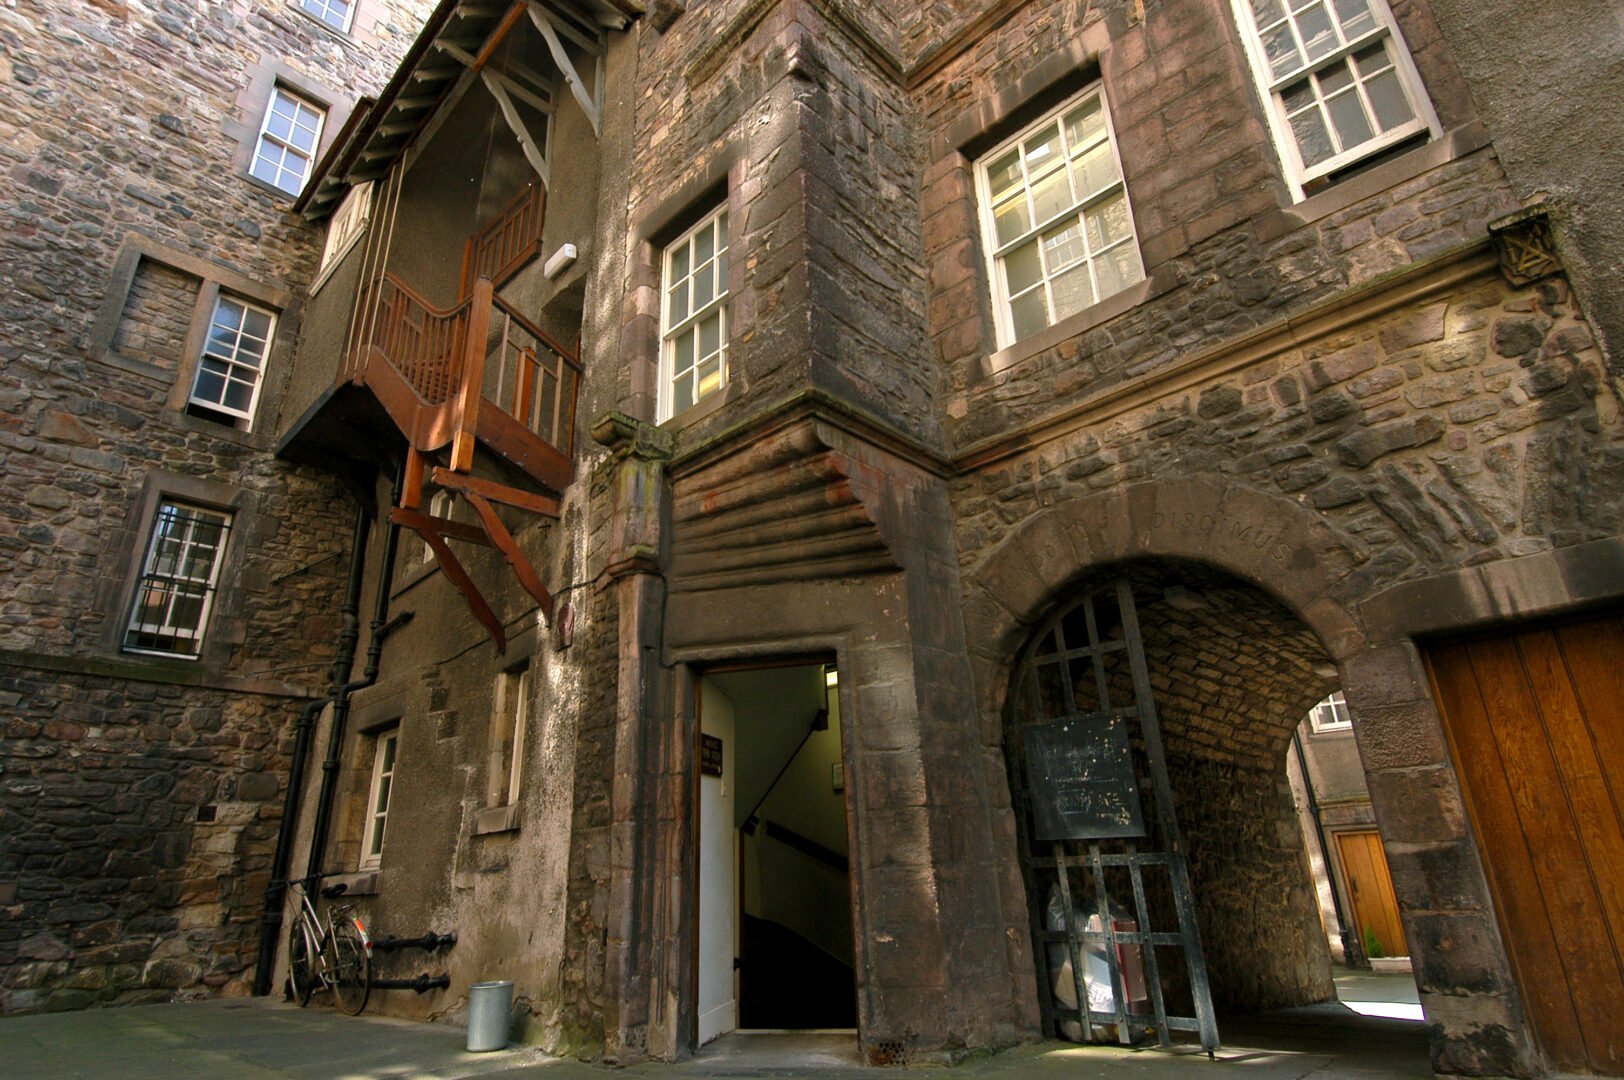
[1337, 78]
[335, 13]
[693, 317]
[1330, 714]
[1056, 223]
[288, 138]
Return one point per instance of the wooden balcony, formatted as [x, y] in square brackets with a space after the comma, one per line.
[479, 373]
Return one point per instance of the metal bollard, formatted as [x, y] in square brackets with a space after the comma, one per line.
[489, 1007]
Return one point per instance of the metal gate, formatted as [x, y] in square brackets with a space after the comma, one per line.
[1082, 740]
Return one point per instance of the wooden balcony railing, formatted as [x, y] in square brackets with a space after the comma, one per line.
[421, 342]
[455, 362]
[532, 377]
[508, 241]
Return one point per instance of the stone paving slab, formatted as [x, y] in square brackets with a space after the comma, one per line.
[261, 1039]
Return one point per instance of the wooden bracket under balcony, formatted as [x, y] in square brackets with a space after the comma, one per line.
[490, 532]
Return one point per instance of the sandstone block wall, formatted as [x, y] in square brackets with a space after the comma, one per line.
[140, 796]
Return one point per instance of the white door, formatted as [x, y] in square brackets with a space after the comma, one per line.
[718, 875]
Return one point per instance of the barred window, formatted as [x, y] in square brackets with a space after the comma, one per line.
[178, 581]
[1340, 84]
[1056, 223]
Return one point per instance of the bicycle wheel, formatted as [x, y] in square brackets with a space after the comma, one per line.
[351, 968]
[301, 978]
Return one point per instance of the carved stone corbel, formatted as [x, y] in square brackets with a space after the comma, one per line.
[1526, 245]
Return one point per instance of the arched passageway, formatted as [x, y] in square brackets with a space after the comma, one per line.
[1231, 673]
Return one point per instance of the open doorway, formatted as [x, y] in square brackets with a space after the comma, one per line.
[775, 925]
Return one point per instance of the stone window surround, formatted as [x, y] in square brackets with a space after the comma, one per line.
[223, 629]
[214, 279]
[1296, 175]
[360, 33]
[1055, 77]
[525, 644]
[349, 16]
[255, 98]
[711, 184]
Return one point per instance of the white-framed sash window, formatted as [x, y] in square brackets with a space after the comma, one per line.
[288, 137]
[1056, 224]
[1338, 80]
[694, 316]
[232, 367]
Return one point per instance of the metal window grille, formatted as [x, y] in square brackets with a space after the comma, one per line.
[179, 578]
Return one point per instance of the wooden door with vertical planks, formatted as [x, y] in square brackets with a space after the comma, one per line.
[1535, 719]
[1370, 887]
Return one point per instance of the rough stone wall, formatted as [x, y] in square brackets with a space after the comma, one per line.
[789, 110]
[1530, 80]
[139, 820]
[1254, 897]
[1204, 182]
[1465, 428]
[141, 795]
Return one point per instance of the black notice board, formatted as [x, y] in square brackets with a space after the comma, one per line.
[710, 755]
[1080, 772]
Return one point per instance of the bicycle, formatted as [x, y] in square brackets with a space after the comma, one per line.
[336, 955]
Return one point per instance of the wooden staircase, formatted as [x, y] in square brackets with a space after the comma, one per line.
[479, 375]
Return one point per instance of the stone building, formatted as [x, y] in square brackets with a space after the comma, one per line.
[169, 588]
[795, 426]
[950, 378]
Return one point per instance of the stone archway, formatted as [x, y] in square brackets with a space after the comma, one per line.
[1268, 541]
[1341, 594]
[1232, 672]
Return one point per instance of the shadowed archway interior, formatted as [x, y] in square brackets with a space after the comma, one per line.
[1232, 672]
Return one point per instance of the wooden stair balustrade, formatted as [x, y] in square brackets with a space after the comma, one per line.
[477, 374]
[507, 242]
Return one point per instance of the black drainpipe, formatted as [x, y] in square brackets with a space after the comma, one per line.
[1350, 955]
[380, 631]
[343, 664]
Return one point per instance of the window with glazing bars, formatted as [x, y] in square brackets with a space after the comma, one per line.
[179, 577]
[383, 780]
[693, 317]
[1339, 81]
[335, 13]
[1056, 223]
[288, 138]
[233, 361]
